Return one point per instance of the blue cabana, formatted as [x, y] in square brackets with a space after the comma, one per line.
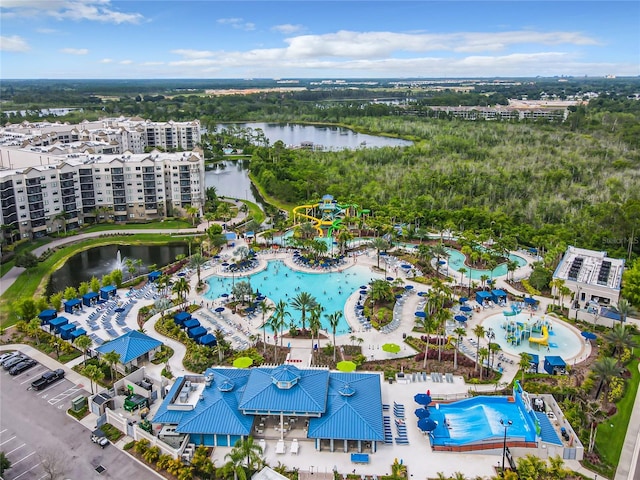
[180, 318]
[46, 316]
[208, 340]
[197, 332]
[57, 322]
[71, 305]
[107, 292]
[554, 365]
[78, 332]
[498, 296]
[89, 299]
[482, 296]
[65, 331]
[153, 276]
[191, 323]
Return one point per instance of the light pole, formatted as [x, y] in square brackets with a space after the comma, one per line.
[504, 442]
[491, 335]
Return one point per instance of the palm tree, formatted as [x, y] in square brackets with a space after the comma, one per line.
[34, 329]
[439, 251]
[246, 458]
[524, 363]
[334, 320]
[479, 332]
[381, 290]
[315, 324]
[84, 343]
[621, 339]
[605, 369]
[303, 302]
[625, 309]
[193, 213]
[512, 266]
[442, 316]
[264, 308]
[181, 288]
[380, 244]
[112, 358]
[460, 332]
[483, 280]
[197, 261]
[274, 324]
[343, 238]
[483, 354]
[280, 314]
[429, 325]
[93, 373]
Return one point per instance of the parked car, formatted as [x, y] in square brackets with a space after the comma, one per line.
[9, 356]
[12, 362]
[98, 437]
[47, 379]
[23, 366]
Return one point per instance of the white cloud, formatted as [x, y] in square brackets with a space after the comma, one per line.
[125, 62]
[237, 23]
[106, 60]
[13, 43]
[151, 64]
[47, 31]
[287, 28]
[93, 10]
[192, 53]
[74, 51]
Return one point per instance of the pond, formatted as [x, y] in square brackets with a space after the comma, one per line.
[99, 261]
[231, 179]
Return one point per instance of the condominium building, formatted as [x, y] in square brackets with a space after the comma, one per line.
[42, 192]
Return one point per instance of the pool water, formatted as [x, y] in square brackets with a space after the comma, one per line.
[478, 419]
[563, 341]
[279, 282]
[456, 262]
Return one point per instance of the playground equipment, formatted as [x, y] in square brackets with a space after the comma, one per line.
[544, 340]
[327, 215]
[518, 331]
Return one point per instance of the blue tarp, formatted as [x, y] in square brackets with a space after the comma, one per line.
[70, 305]
[78, 332]
[208, 340]
[90, 298]
[554, 365]
[153, 276]
[47, 315]
[230, 236]
[191, 323]
[65, 331]
[108, 291]
[180, 318]
[196, 332]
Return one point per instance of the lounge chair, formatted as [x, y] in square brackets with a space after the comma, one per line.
[280, 447]
[294, 446]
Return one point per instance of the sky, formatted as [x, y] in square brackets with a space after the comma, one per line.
[317, 39]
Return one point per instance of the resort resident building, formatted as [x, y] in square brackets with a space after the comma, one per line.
[42, 193]
[593, 277]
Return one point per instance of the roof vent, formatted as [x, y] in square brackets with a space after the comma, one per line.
[346, 390]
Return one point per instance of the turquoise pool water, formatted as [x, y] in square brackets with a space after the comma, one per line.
[563, 341]
[279, 282]
[456, 262]
[477, 419]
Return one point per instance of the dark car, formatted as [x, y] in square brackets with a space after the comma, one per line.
[7, 357]
[22, 366]
[12, 362]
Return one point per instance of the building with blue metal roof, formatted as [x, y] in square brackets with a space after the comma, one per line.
[227, 404]
[133, 347]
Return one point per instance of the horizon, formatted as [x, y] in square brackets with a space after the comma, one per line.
[126, 40]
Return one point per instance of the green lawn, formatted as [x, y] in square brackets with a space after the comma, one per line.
[254, 211]
[167, 224]
[24, 247]
[610, 439]
[31, 283]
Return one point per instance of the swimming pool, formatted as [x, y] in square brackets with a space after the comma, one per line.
[456, 262]
[477, 419]
[280, 282]
[563, 341]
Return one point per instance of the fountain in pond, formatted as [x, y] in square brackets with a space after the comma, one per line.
[119, 264]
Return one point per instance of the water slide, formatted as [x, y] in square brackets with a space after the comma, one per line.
[337, 223]
[544, 340]
[316, 221]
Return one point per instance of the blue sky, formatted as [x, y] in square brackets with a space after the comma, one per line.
[309, 39]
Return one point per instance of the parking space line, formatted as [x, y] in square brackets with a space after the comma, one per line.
[2, 431]
[35, 466]
[7, 440]
[62, 396]
[23, 458]
[8, 453]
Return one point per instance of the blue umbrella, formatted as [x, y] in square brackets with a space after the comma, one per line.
[422, 413]
[363, 287]
[389, 279]
[219, 309]
[465, 308]
[427, 425]
[463, 299]
[360, 307]
[422, 398]
[363, 292]
[420, 314]
[398, 296]
[460, 318]
[408, 287]
[442, 262]
[589, 335]
[422, 294]
[406, 266]
[530, 300]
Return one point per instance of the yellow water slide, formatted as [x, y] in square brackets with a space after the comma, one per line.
[543, 340]
[316, 221]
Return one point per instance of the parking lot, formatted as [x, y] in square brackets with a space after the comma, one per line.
[37, 435]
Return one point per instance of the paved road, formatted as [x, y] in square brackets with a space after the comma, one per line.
[34, 425]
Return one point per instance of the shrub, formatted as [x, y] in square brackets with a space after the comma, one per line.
[616, 391]
[129, 445]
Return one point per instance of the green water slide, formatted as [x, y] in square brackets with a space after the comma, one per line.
[337, 223]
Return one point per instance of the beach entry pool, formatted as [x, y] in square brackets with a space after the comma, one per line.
[456, 262]
[279, 282]
[513, 333]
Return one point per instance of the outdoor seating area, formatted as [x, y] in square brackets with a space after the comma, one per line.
[401, 427]
[397, 312]
[231, 329]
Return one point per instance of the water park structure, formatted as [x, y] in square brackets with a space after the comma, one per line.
[536, 330]
[327, 215]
